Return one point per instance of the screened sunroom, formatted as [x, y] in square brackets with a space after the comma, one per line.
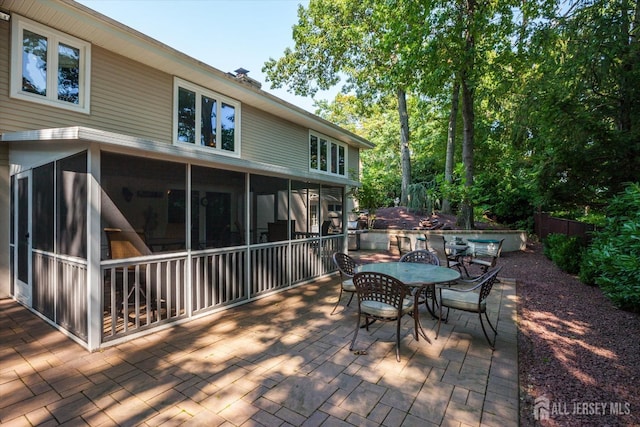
[113, 236]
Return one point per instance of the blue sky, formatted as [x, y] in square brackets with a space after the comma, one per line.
[226, 34]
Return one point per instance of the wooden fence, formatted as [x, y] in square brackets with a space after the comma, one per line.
[546, 224]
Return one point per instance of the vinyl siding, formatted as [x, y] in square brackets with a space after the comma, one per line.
[130, 98]
[269, 139]
[126, 97]
[5, 187]
[4, 73]
[353, 162]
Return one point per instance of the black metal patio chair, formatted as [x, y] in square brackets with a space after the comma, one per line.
[346, 266]
[381, 297]
[473, 300]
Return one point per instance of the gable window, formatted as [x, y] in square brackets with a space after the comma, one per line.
[326, 155]
[49, 67]
[206, 119]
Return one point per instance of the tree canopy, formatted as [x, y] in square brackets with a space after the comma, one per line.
[548, 97]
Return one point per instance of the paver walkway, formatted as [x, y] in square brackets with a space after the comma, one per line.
[279, 361]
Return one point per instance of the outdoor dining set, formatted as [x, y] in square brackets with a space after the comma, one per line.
[437, 276]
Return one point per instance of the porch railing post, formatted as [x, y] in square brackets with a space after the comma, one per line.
[94, 282]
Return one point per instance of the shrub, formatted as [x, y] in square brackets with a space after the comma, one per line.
[564, 251]
[422, 197]
[613, 259]
[590, 265]
[371, 197]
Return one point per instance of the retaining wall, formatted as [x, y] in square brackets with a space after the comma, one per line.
[514, 240]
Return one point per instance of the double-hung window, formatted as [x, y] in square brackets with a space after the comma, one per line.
[49, 67]
[205, 119]
[326, 155]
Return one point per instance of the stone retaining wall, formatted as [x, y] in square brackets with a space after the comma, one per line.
[515, 240]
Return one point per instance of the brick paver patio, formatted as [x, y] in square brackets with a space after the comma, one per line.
[279, 361]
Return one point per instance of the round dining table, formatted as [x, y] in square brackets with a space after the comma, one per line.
[417, 276]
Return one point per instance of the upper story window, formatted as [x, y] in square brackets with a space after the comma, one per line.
[206, 119]
[49, 67]
[326, 155]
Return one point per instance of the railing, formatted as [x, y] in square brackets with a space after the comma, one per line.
[312, 257]
[145, 292]
[140, 293]
[269, 267]
[218, 278]
[60, 291]
[305, 260]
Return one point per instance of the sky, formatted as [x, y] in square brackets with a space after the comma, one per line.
[226, 34]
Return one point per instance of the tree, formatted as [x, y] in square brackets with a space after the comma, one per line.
[375, 44]
[429, 50]
[469, 38]
[580, 111]
[451, 144]
[467, 83]
[378, 124]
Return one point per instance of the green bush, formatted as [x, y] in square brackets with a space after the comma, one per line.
[612, 261]
[371, 197]
[590, 265]
[565, 251]
[422, 197]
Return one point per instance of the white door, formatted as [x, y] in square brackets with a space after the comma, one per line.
[23, 238]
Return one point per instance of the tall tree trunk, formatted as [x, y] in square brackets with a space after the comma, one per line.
[404, 146]
[451, 144]
[465, 217]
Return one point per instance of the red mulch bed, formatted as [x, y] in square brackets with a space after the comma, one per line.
[574, 347]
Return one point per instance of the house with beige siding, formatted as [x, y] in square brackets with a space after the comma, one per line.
[140, 187]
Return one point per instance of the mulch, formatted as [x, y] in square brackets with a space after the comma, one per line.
[576, 351]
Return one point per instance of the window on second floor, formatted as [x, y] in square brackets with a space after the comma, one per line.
[326, 155]
[49, 67]
[206, 119]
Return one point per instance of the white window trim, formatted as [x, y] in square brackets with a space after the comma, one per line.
[54, 39]
[329, 142]
[200, 91]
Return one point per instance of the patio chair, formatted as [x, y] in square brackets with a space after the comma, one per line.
[404, 244]
[381, 297]
[437, 244]
[125, 244]
[473, 300]
[423, 256]
[128, 244]
[346, 266]
[487, 257]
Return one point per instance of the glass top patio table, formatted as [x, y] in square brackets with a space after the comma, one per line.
[415, 275]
